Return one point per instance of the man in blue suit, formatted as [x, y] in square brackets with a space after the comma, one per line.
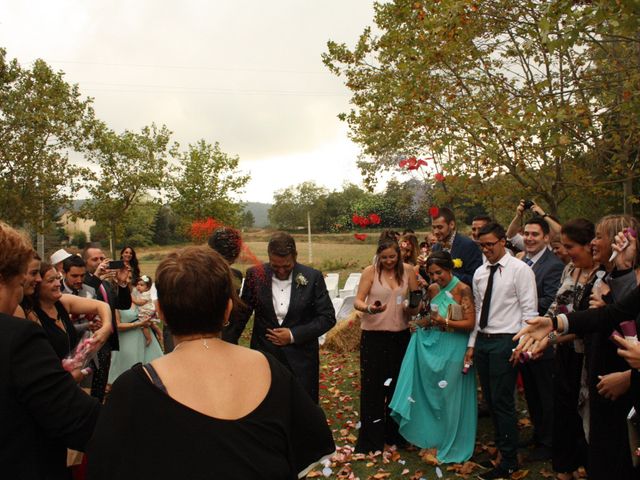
[537, 375]
[461, 248]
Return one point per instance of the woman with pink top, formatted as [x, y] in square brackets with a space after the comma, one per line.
[381, 296]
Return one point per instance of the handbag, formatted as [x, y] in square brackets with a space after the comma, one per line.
[454, 312]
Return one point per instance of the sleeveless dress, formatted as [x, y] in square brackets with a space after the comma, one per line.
[132, 347]
[434, 403]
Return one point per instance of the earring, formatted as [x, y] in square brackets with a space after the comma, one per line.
[226, 323]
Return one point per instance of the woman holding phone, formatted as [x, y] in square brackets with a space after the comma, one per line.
[382, 294]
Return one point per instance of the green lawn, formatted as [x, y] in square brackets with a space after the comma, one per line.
[339, 397]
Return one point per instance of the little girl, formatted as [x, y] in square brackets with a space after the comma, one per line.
[146, 308]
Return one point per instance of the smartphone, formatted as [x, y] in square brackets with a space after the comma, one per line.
[115, 264]
[414, 298]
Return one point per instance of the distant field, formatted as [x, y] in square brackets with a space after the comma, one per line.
[339, 253]
[342, 256]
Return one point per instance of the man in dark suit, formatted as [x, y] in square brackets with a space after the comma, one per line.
[292, 309]
[117, 297]
[461, 248]
[537, 375]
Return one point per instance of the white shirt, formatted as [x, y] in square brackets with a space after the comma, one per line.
[514, 297]
[281, 294]
[536, 257]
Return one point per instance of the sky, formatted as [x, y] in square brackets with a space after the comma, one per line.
[247, 74]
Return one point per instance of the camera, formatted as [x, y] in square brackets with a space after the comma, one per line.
[528, 204]
[115, 264]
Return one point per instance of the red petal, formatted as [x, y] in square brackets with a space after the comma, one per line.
[374, 218]
[434, 211]
[360, 236]
[439, 177]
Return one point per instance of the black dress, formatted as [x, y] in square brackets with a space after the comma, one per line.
[37, 399]
[63, 342]
[280, 438]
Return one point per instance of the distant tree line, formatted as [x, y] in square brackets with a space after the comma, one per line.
[400, 205]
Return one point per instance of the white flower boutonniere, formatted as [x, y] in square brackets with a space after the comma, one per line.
[301, 280]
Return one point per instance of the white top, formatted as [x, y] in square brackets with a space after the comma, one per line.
[536, 257]
[281, 293]
[514, 297]
[154, 293]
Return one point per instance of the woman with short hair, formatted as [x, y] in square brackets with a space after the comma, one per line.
[228, 412]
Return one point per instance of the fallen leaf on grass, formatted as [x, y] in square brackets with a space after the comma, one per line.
[519, 475]
[417, 475]
[381, 474]
[546, 473]
[524, 423]
[405, 471]
[429, 455]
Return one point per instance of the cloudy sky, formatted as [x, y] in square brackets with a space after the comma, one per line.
[247, 74]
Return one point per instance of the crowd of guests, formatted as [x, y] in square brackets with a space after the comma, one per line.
[538, 301]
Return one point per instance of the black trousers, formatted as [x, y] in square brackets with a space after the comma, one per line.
[537, 376]
[569, 443]
[498, 380]
[381, 355]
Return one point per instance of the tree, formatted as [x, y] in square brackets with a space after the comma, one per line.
[167, 227]
[291, 206]
[205, 183]
[537, 91]
[42, 117]
[131, 167]
[247, 220]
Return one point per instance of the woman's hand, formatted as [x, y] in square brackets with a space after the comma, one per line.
[626, 255]
[614, 385]
[596, 301]
[468, 356]
[373, 308]
[536, 331]
[630, 351]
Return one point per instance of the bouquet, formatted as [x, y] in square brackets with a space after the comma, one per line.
[81, 355]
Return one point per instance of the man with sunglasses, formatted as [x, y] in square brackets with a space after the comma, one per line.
[504, 290]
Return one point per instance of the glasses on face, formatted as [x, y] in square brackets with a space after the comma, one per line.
[488, 244]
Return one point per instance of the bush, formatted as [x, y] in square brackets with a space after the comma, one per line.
[79, 239]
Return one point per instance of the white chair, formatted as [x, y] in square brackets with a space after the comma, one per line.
[332, 280]
[346, 307]
[337, 303]
[351, 285]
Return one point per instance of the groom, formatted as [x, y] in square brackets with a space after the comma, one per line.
[292, 309]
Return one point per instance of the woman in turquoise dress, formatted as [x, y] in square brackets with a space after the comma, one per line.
[434, 402]
[134, 347]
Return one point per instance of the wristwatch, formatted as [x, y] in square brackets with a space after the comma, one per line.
[554, 322]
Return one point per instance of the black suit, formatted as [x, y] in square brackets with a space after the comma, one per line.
[42, 410]
[310, 315]
[537, 375]
[466, 250]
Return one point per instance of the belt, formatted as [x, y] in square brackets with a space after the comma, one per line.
[495, 335]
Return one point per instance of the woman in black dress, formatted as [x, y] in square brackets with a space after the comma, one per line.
[38, 399]
[227, 412]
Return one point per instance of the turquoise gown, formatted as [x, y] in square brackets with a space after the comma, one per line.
[132, 347]
[434, 403]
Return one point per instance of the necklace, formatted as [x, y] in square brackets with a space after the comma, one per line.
[204, 342]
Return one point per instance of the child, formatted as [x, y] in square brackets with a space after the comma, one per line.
[146, 308]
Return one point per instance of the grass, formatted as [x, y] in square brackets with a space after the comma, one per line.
[339, 397]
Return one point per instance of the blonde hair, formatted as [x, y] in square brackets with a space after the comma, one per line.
[610, 225]
[15, 252]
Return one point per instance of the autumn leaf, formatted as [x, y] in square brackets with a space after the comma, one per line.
[519, 475]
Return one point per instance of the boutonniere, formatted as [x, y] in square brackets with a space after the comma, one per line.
[301, 280]
[457, 263]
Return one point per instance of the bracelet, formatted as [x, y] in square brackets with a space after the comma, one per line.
[369, 309]
[554, 322]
